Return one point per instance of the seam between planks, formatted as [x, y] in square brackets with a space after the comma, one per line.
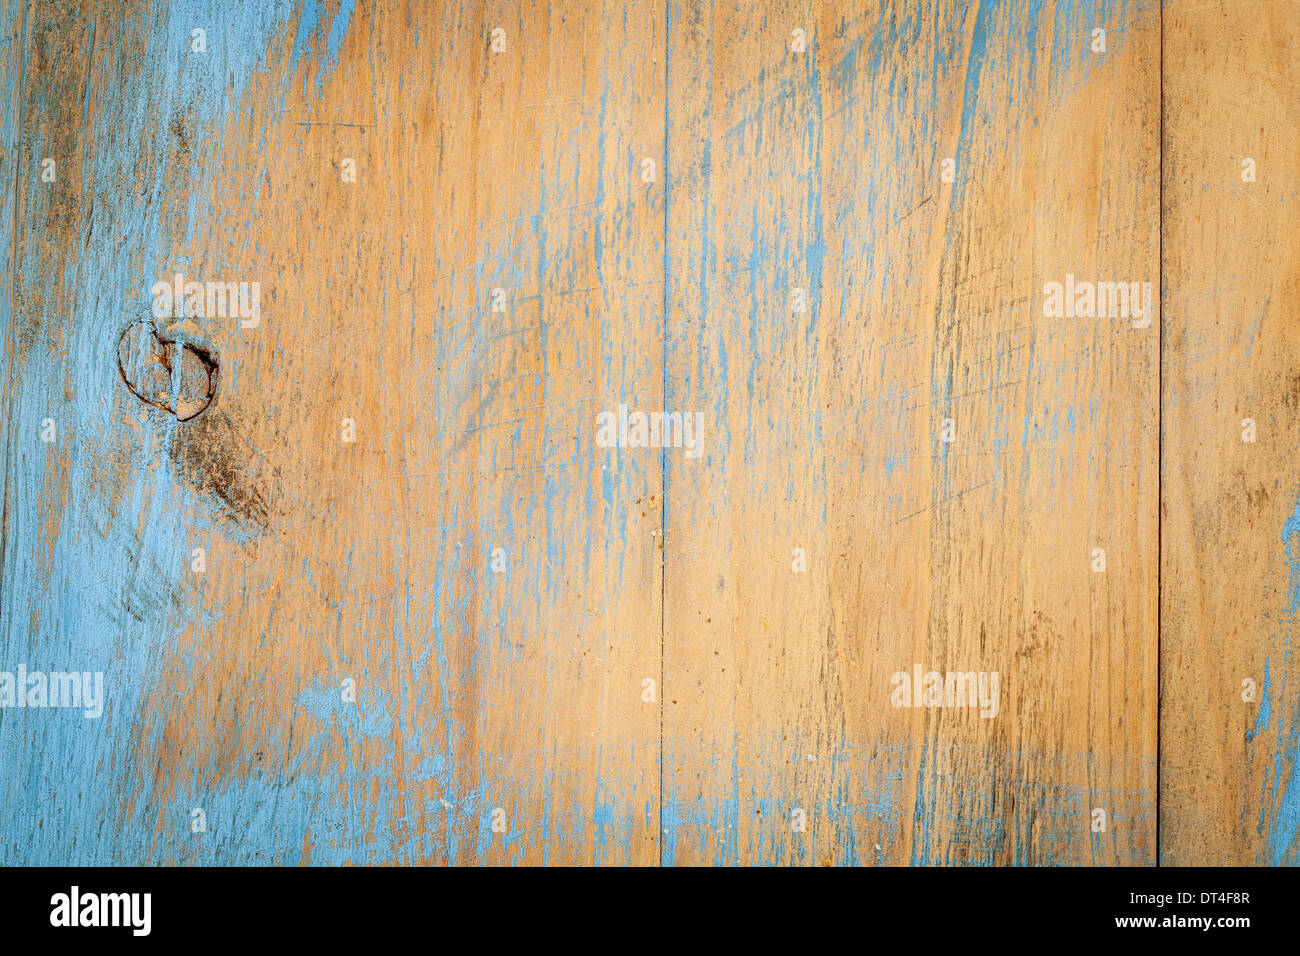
[663, 452]
[1160, 436]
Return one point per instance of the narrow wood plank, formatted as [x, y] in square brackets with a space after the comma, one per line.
[12, 68]
[1229, 725]
[60, 450]
[822, 170]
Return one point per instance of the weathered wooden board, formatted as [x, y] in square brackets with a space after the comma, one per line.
[372, 560]
[823, 171]
[1230, 581]
[391, 597]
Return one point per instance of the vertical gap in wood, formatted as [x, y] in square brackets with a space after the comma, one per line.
[663, 452]
[1160, 437]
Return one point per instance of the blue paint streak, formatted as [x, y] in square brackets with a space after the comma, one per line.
[312, 20]
[1265, 714]
[1285, 823]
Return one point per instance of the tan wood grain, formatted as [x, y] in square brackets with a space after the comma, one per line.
[1229, 555]
[823, 170]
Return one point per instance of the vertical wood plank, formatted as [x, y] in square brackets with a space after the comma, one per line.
[823, 170]
[1231, 504]
[329, 560]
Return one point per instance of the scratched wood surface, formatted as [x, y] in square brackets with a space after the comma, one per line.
[1231, 553]
[470, 248]
[369, 560]
[823, 171]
